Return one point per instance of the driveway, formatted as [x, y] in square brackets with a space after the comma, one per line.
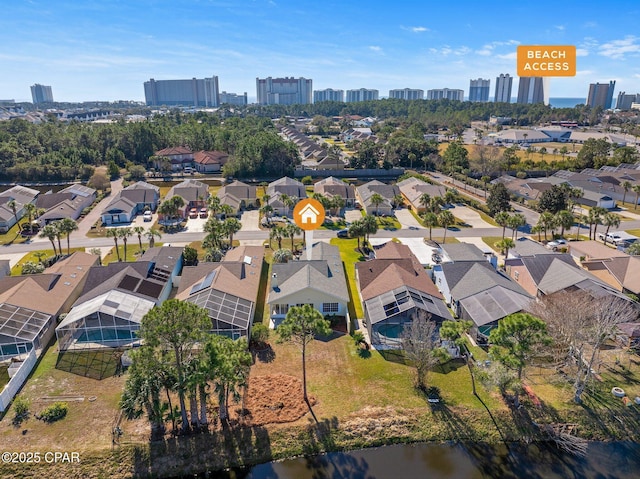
[470, 217]
[406, 219]
[352, 214]
[421, 250]
[94, 215]
[250, 220]
[195, 225]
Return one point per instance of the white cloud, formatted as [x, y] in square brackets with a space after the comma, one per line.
[375, 48]
[560, 27]
[584, 73]
[582, 52]
[446, 50]
[419, 29]
[508, 56]
[617, 49]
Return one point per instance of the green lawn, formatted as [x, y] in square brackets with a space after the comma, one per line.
[449, 239]
[12, 236]
[635, 232]
[32, 256]
[350, 256]
[492, 240]
[389, 223]
[133, 251]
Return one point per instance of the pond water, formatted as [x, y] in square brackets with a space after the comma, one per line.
[455, 461]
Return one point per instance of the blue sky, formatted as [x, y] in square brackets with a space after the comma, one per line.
[105, 50]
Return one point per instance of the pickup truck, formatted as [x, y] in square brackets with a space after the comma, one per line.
[618, 237]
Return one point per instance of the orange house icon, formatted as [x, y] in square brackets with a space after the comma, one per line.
[308, 214]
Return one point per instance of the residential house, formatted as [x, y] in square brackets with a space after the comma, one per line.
[412, 190]
[131, 201]
[320, 282]
[285, 186]
[116, 297]
[593, 250]
[21, 195]
[394, 288]
[194, 193]
[477, 292]
[174, 158]
[27, 323]
[332, 187]
[620, 272]
[238, 195]
[388, 193]
[209, 161]
[67, 203]
[228, 290]
[457, 252]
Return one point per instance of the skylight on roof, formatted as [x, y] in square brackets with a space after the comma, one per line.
[247, 259]
[204, 284]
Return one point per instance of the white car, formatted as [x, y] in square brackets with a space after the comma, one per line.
[147, 216]
[555, 244]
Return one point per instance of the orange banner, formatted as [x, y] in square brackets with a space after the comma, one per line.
[546, 61]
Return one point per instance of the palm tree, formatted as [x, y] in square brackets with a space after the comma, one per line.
[124, 234]
[226, 210]
[626, 186]
[579, 220]
[505, 245]
[425, 200]
[282, 255]
[398, 200]
[450, 196]
[598, 213]
[30, 209]
[430, 220]
[113, 233]
[214, 205]
[502, 219]
[376, 200]
[634, 249]
[564, 219]
[609, 220]
[485, 180]
[232, 226]
[291, 230]
[446, 219]
[59, 233]
[356, 230]
[337, 202]
[216, 233]
[139, 231]
[516, 221]
[151, 235]
[537, 229]
[67, 226]
[266, 211]
[13, 206]
[435, 204]
[370, 226]
[49, 232]
[546, 221]
[277, 232]
[212, 255]
[636, 190]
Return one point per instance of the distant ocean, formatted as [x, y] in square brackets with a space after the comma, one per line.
[566, 102]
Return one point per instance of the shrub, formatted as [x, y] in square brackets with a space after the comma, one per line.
[259, 333]
[55, 412]
[307, 180]
[20, 409]
[358, 338]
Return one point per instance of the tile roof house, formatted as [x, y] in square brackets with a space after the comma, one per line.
[177, 156]
[477, 292]
[388, 193]
[320, 282]
[238, 195]
[228, 290]
[393, 287]
[131, 201]
[209, 161]
[412, 190]
[21, 195]
[623, 273]
[27, 324]
[116, 297]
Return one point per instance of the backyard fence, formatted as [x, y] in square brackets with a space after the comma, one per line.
[18, 379]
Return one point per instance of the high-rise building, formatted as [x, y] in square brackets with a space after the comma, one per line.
[284, 91]
[624, 101]
[232, 99]
[362, 94]
[407, 94]
[41, 93]
[503, 88]
[328, 94]
[601, 94]
[531, 90]
[195, 92]
[445, 93]
[479, 90]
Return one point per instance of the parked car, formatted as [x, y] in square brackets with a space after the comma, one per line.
[344, 233]
[555, 244]
[203, 213]
[193, 213]
[147, 215]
